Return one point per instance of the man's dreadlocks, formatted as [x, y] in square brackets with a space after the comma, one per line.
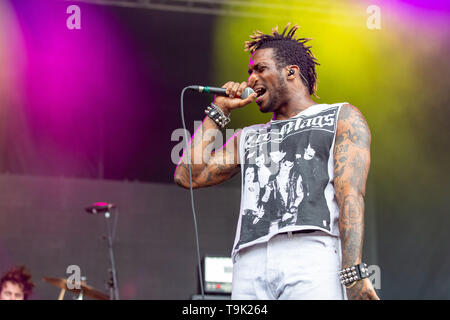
[288, 51]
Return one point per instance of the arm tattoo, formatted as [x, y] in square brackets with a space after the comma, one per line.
[351, 225]
[182, 176]
[215, 167]
[351, 166]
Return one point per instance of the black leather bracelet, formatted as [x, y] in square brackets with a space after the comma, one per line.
[350, 275]
[217, 115]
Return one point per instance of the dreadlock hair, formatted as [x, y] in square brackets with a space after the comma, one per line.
[21, 276]
[288, 51]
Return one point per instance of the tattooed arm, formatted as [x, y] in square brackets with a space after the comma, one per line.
[208, 168]
[212, 167]
[351, 167]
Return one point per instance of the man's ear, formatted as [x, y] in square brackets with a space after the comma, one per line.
[292, 71]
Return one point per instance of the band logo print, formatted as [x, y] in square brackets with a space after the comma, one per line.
[285, 173]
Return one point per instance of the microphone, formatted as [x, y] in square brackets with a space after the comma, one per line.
[100, 207]
[221, 91]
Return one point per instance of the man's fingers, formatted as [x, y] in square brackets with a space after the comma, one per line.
[228, 86]
[241, 88]
[248, 100]
[234, 91]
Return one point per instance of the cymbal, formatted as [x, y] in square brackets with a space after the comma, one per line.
[87, 290]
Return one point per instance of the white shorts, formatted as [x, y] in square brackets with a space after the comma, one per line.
[289, 267]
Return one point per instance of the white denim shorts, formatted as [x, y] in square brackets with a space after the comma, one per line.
[290, 267]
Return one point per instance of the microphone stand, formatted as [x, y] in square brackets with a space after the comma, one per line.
[113, 289]
[103, 207]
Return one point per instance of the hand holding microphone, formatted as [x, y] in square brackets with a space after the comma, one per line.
[238, 95]
[231, 96]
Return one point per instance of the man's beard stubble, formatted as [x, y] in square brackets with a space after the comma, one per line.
[276, 97]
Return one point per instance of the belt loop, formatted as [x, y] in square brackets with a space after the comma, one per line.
[289, 233]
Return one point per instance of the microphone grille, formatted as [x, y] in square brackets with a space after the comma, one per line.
[247, 92]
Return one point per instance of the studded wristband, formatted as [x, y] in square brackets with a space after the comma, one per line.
[350, 275]
[217, 115]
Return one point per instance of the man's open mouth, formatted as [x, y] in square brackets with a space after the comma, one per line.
[261, 93]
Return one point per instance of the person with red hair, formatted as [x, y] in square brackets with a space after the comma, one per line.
[16, 284]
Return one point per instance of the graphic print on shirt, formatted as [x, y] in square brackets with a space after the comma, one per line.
[285, 173]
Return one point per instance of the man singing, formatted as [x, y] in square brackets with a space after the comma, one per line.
[309, 244]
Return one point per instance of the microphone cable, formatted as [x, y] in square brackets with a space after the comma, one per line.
[192, 195]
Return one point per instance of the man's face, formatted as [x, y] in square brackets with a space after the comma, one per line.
[277, 156]
[267, 80]
[309, 153]
[11, 291]
[250, 175]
